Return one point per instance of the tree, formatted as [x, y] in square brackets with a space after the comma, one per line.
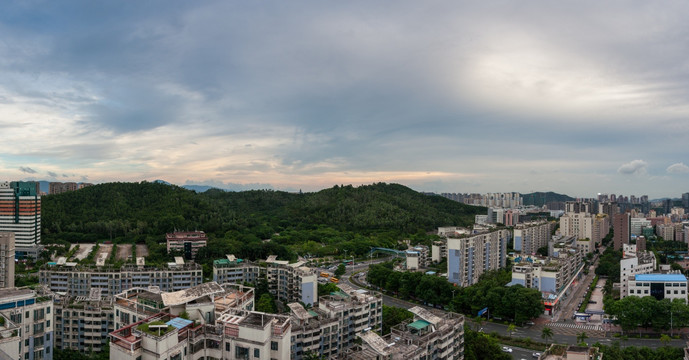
[665, 339]
[341, 270]
[581, 338]
[511, 328]
[266, 304]
[546, 334]
[393, 315]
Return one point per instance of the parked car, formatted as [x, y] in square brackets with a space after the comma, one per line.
[536, 354]
[506, 349]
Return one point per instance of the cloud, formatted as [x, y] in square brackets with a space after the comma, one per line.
[52, 174]
[633, 167]
[678, 168]
[26, 169]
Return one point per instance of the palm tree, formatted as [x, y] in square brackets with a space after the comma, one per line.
[547, 334]
[511, 328]
[581, 338]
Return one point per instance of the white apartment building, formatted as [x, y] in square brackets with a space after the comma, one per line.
[356, 310]
[292, 282]
[469, 257]
[529, 237]
[9, 338]
[666, 231]
[313, 332]
[660, 286]
[634, 263]
[426, 336]
[83, 323]
[78, 280]
[547, 274]
[236, 271]
[235, 335]
[583, 225]
[201, 303]
[33, 313]
[417, 257]
[439, 250]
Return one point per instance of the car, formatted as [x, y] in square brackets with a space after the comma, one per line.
[530, 323]
[506, 349]
[536, 354]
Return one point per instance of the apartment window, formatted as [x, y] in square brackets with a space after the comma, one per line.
[227, 347]
[240, 352]
[47, 310]
[257, 353]
[274, 345]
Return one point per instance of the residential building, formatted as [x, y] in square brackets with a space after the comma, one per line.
[201, 303]
[59, 187]
[547, 274]
[83, 323]
[236, 271]
[425, 336]
[661, 286]
[636, 225]
[292, 282]
[235, 335]
[20, 213]
[529, 237]
[469, 257]
[584, 225]
[313, 332]
[634, 262]
[33, 312]
[356, 311]
[417, 257]
[452, 231]
[78, 280]
[621, 230]
[667, 232]
[186, 242]
[6, 260]
[439, 250]
[481, 219]
[10, 340]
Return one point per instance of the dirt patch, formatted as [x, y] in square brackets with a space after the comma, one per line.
[104, 249]
[124, 251]
[83, 252]
[141, 250]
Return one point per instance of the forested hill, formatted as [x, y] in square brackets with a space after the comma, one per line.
[541, 198]
[135, 210]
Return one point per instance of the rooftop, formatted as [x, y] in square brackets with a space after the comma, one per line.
[660, 277]
[191, 294]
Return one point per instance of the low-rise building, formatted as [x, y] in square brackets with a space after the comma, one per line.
[661, 286]
[417, 257]
[547, 274]
[426, 336]
[439, 250]
[186, 242]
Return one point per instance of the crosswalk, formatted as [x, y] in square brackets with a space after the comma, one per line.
[576, 326]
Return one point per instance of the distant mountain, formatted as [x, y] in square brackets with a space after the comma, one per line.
[200, 188]
[161, 182]
[541, 198]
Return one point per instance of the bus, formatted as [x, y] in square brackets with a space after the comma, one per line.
[335, 280]
[325, 275]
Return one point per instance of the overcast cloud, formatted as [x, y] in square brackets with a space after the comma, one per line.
[441, 96]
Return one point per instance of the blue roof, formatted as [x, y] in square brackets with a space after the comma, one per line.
[179, 323]
[660, 277]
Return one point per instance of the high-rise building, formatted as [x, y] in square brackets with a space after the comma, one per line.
[621, 230]
[529, 237]
[186, 242]
[20, 213]
[469, 257]
[6, 260]
[33, 312]
[685, 200]
[59, 187]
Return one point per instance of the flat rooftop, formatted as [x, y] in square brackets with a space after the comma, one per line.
[660, 277]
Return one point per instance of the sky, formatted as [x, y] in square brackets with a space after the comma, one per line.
[577, 97]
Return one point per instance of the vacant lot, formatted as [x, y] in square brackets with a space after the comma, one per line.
[84, 250]
[104, 249]
[124, 251]
[141, 250]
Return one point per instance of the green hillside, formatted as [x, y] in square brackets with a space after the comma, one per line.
[324, 222]
[541, 198]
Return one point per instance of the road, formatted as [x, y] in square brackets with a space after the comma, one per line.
[533, 333]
